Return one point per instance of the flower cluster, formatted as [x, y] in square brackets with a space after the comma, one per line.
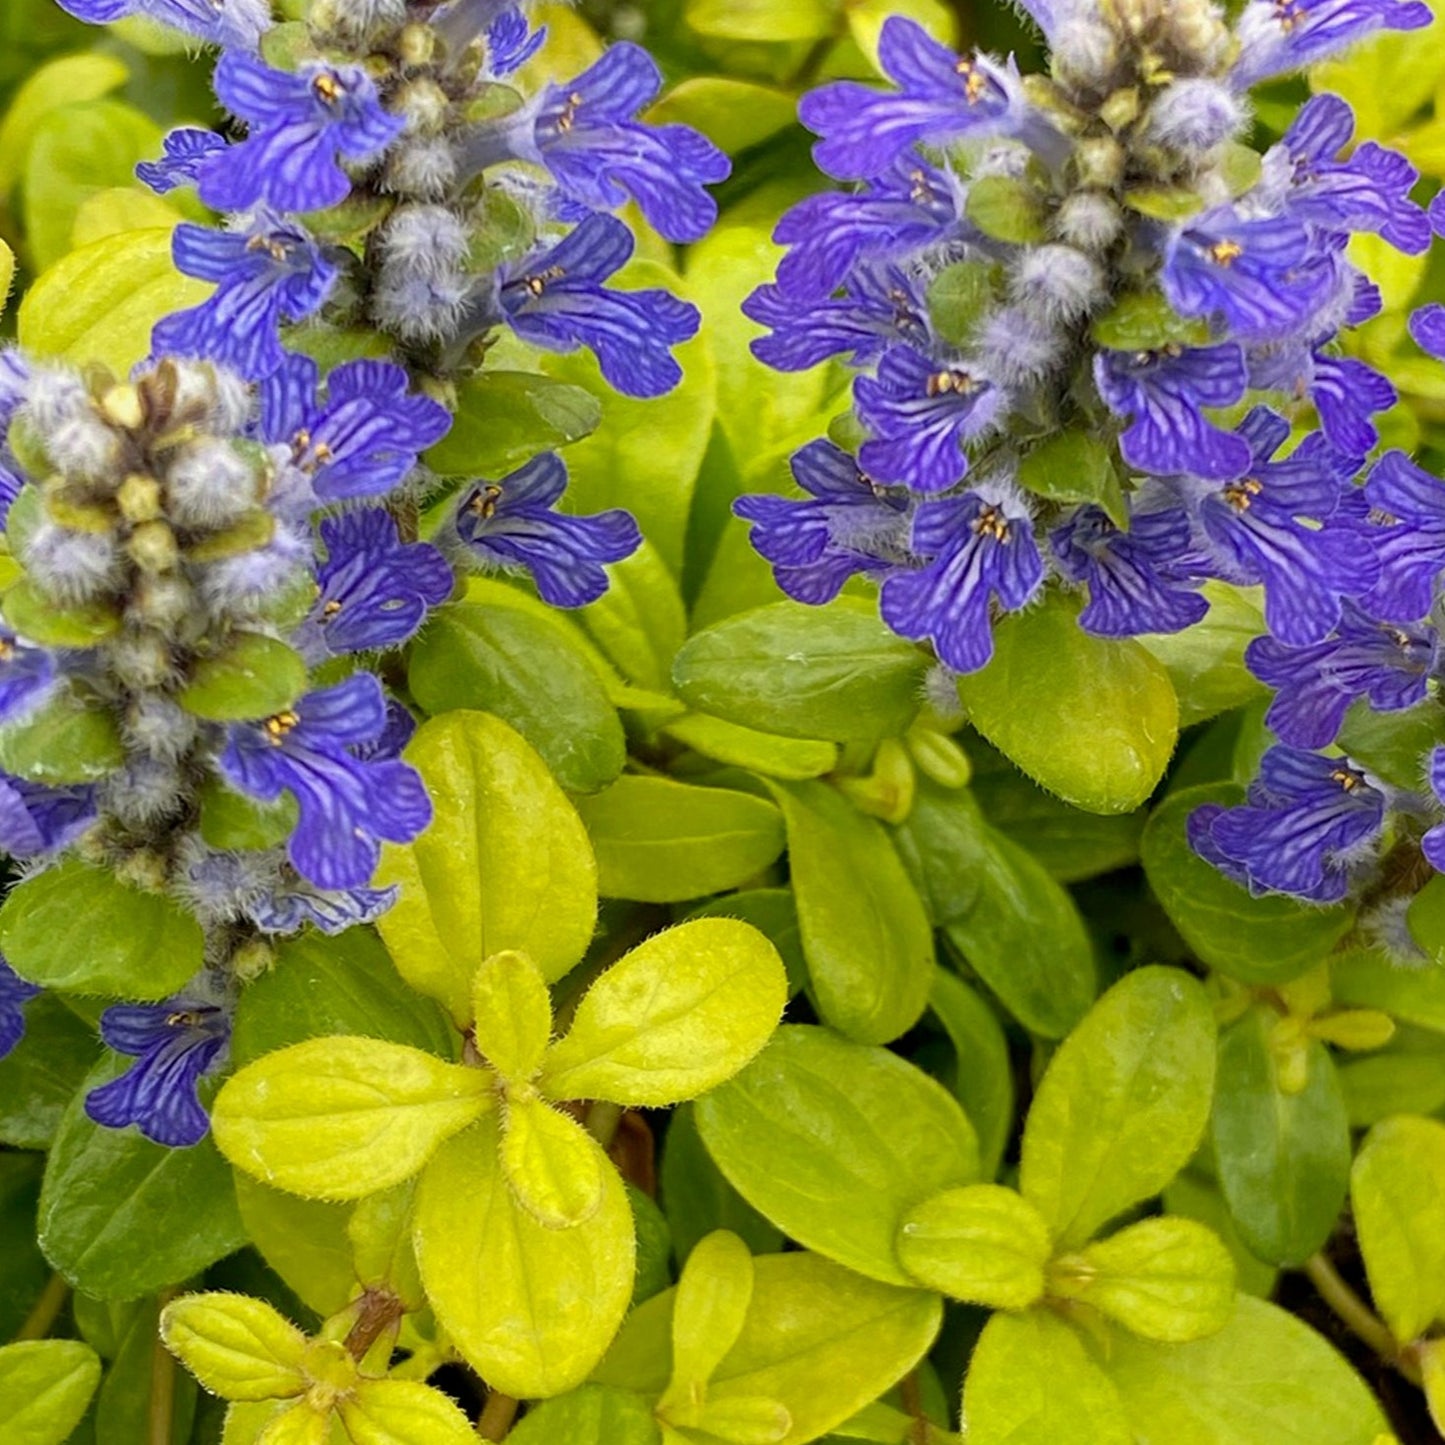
[1049, 288]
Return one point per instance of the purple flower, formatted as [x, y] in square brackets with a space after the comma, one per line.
[174, 1044]
[367, 435]
[1135, 579]
[1254, 534]
[1427, 326]
[1389, 663]
[940, 98]
[514, 524]
[556, 300]
[852, 525]
[220, 22]
[921, 415]
[1249, 274]
[912, 207]
[1165, 392]
[271, 273]
[1408, 507]
[1280, 35]
[289, 908]
[1346, 392]
[15, 993]
[185, 154]
[27, 676]
[511, 42]
[346, 804]
[1433, 843]
[599, 155]
[1306, 816]
[981, 545]
[375, 590]
[299, 125]
[36, 819]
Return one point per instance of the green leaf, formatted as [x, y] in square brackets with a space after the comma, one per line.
[1397, 1188]
[673, 1018]
[1256, 940]
[45, 1386]
[835, 1141]
[1165, 1279]
[403, 1412]
[24, 1273]
[865, 934]
[69, 739]
[1265, 1379]
[664, 842]
[640, 621]
[804, 672]
[1192, 1196]
[32, 614]
[1007, 208]
[523, 670]
[41, 1074]
[1144, 321]
[984, 1077]
[121, 1217]
[593, 1415]
[554, 1166]
[1205, 662]
[765, 753]
[1122, 1105]
[505, 863]
[232, 820]
[339, 1118]
[504, 418]
[383, 1252]
[1284, 1159]
[252, 677]
[100, 303]
[818, 1340]
[7, 274]
[709, 1311]
[345, 984]
[66, 81]
[984, 1244]
[1091, 719]
[732, 114]
[1073, 466]
[79, 928]
[238, 1348]
[958, 298]
[303, 1240]
[531, 1309]
[762, 20]
[513, 1014]
[1031, 1382]
[133, 1395]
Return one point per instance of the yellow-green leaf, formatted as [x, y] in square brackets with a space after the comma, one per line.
[237, 1347]
[403, 1412]
[553, 1164]
[513, 1014]
[45, 1386]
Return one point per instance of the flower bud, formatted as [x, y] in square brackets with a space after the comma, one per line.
[152, 547]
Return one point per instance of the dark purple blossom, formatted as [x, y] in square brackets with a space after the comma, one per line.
[556, 300]
[219, 22]
[174, 1044]
[270, 273]
[15, 993]
[27, 676]
[1306, 818]
[940, 97]
[36, 819]
[290, 908]
[511, 42]
[300, 124]
[1347, 392]
[850, 525]
[1164, 392]
[375, 589]
[1280, 35]
[346, 804]
[1135, 579]
[1433, 843]
[186, 152]
[514, 524]
[1389, 663]
[1408, 510]
[980, 546]
[1427, 326]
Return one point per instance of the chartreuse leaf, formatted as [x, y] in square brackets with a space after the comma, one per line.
[804, 672]
[513, 1013]
[531, 1308]
[339, 1118]
[504, 418]
[403, 1412]
[231, 820]
[709, 1312]
[379, 1232]
[1206, 661]
[7, 274]
[121, 1217]
[34, 615]
[237, 1347]
[641, 620]
[303, 1240]
[553, 1164]
[1265, 1379]
[984, 1077]
[1256, 940]
[1283, 1157]
[593, 1415]
[71, 738]
[766, 753]
[45, 1386]
[1397, 1188]
[1122, 1105]
[864, 930]
[1032, 1382]
[818, 1340]
[835, 1142]
[80, 928]
[984, 1244]
[66, 81]
[253, 676]
[1165, 1279]
[1089, 718]
[134, 1391]
[759, 20]
[1432, 1370]
[1073, 466]
[673, 1018]
[658, 841]
[732, 114]
[505, 863]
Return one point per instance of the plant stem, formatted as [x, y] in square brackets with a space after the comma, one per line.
[161, 1414]
[602, 1121]
[497, 1416]
[46, 1308]
[1357, 1316]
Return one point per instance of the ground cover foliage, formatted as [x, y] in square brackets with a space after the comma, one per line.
[678, 775]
